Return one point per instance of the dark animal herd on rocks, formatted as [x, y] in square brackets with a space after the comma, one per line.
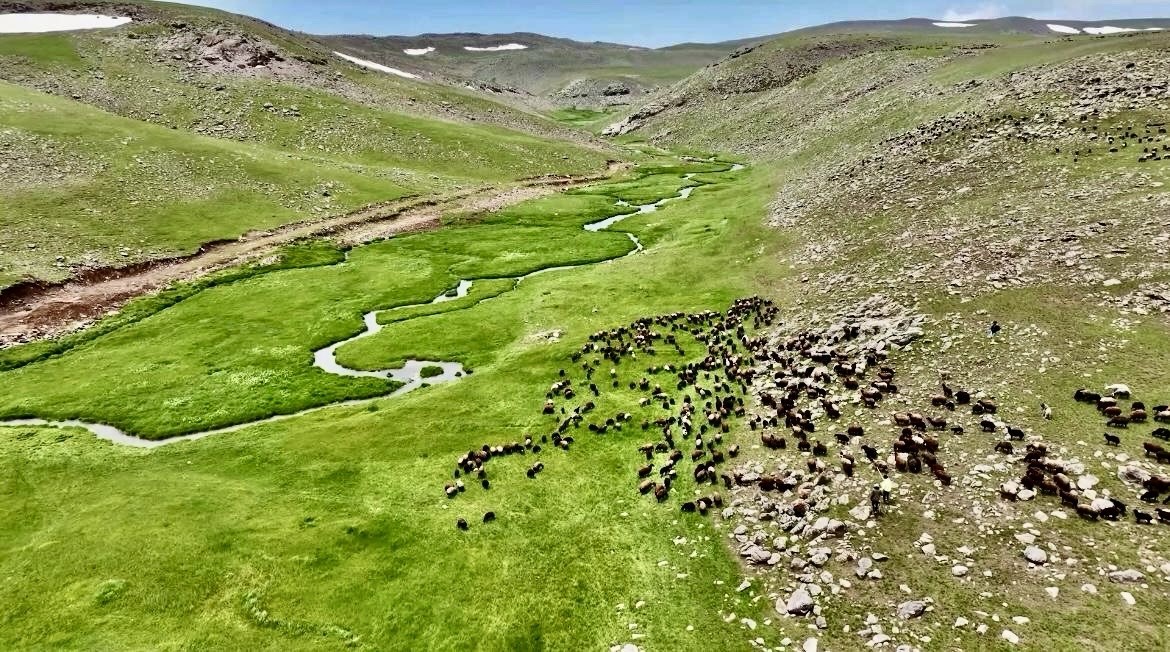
[794, 381]
[1051, 477]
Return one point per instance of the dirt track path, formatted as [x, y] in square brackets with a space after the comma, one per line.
[51, 309]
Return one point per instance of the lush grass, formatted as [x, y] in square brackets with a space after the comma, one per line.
[270, 528]
[41, 50]
[590, 119]
[481, 290]
[430, 371]
[302, 254]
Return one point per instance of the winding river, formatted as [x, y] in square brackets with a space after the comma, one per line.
[410, 374]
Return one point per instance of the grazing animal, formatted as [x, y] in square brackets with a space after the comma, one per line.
[1142, 518]
[1163, 514]
[1112, 440]
[1087, 512]
[987, 425]
[1118, 390]
[1004, 447]
[661, 492]
[488, 517]
[1161, 433]
[1015, 433]
[461, 524]
[1085, 396]
[1119, 421]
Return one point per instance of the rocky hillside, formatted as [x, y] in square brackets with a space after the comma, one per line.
[979, 230]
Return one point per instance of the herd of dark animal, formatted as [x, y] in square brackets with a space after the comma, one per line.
[1117, 139]
[1116, 417]
[719, 382]
[1051, 477]
[797, 380]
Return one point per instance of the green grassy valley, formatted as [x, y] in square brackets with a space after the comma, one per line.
[851, 339]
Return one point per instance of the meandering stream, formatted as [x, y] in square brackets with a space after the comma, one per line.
[410, 374]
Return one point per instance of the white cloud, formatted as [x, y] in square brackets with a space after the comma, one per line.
[979, 12]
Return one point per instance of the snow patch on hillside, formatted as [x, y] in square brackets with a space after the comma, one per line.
[1063, 29]
[946, 24]
[418, 52]
[376, 66]
[28, 23]
[1108, 29]
[496, 48]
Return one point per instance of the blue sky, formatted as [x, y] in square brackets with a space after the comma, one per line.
[648, 22]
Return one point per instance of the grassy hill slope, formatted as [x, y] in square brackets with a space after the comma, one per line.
[143, 141]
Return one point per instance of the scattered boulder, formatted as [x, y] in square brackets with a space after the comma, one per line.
[911, 609]
[1129, 576]
[800, 603]
[1036, 555]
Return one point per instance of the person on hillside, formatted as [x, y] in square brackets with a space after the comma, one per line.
[887, 486]
[994, 329]
[875, 500]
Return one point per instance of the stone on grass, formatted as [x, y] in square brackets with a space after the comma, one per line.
[1129, 576]
[1035, 555]
[911, 609]
[799, 603]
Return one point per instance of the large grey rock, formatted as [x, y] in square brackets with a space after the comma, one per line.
[860, 512]
[1035, 554]
[1126, 576]
[911, 609]
[1132, 473]
[800, 603]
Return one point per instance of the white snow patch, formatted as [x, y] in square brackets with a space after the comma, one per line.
[496, 48]
[1108, 29]
[27, 23]
[418, 52]
[376, 66]
[1153, 29]
[944, 24]
[1063, 29]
